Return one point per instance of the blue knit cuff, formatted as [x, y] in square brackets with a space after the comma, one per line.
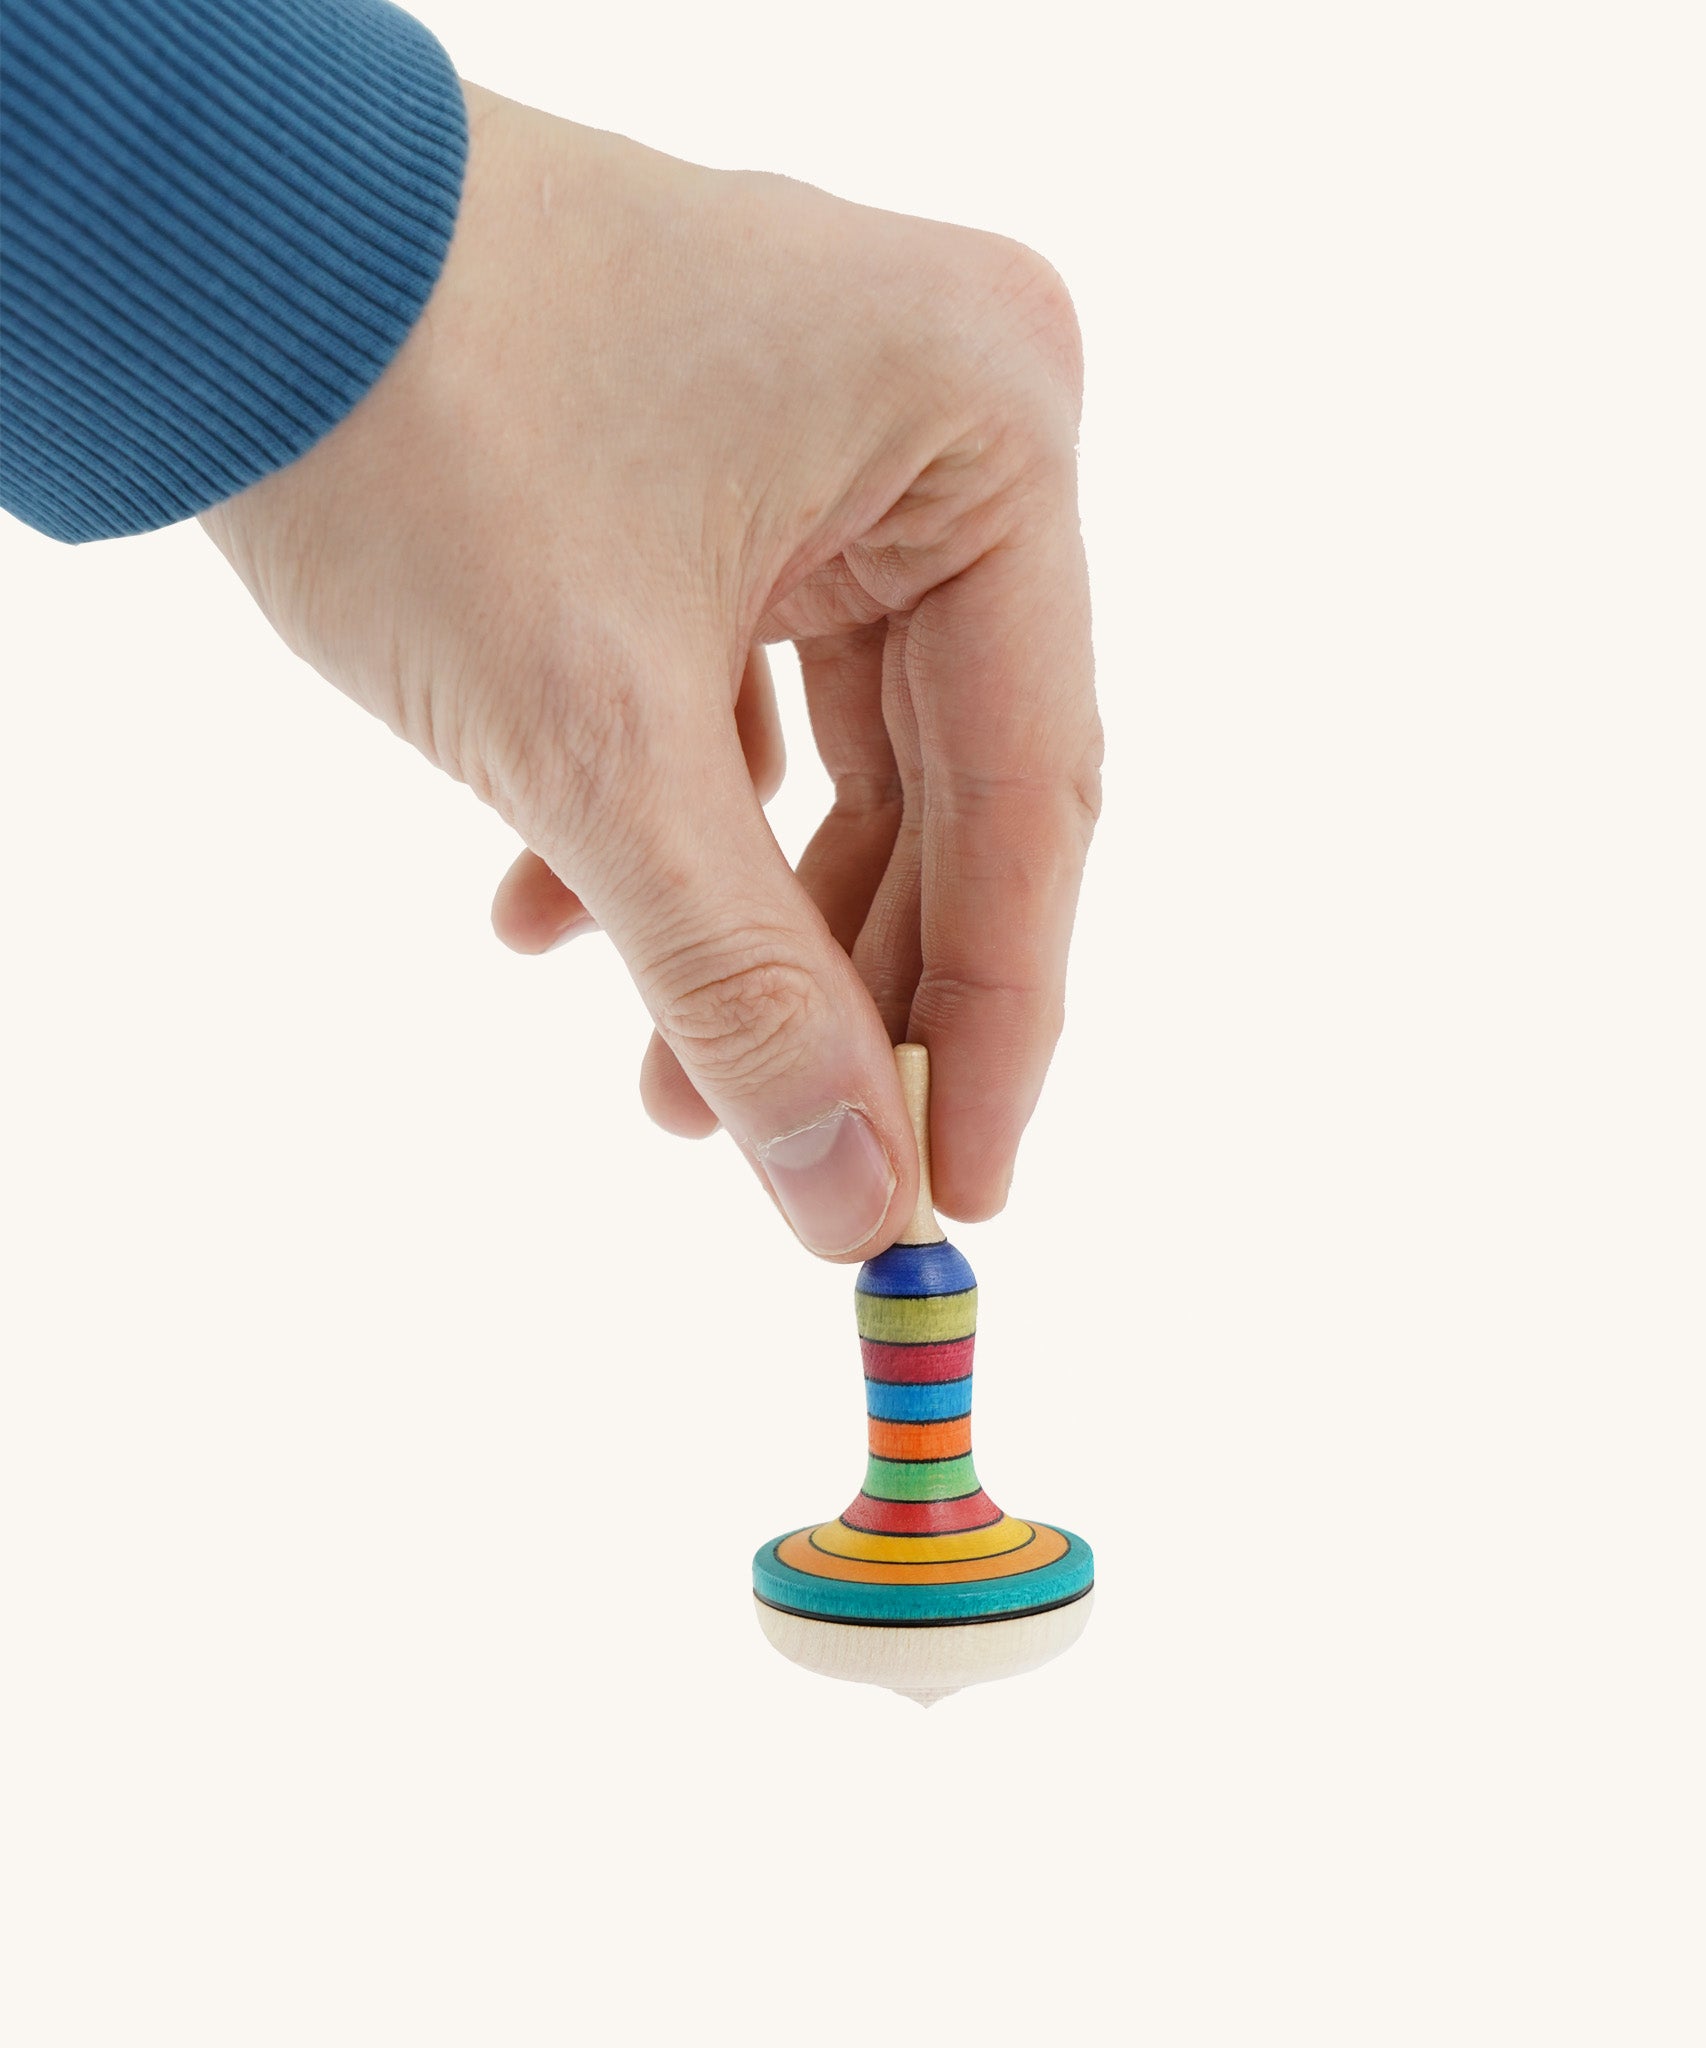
[218, 222]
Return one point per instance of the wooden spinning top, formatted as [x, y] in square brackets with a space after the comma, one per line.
[923, 1584]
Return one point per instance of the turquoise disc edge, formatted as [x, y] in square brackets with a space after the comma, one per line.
[1069, 1577]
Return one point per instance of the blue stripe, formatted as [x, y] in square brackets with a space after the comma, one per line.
[934, 1401]
[915, 1269]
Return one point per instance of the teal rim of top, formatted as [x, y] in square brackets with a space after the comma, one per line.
[1068, 1578]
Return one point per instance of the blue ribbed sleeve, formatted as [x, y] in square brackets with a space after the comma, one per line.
[218, 221]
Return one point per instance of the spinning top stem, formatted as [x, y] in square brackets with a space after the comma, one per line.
[912, 1063]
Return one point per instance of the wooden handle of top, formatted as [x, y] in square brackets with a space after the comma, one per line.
[912, 1063]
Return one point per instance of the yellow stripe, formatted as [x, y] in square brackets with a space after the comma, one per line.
[917, 1318]
[840, 1541]
[797, 1551]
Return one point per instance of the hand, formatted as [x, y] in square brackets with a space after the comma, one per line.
[653, 417]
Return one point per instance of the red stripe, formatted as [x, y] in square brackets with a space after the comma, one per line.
[922, 1517]
[915, 1363]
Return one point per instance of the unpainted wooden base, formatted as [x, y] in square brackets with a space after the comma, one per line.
[926, 1664]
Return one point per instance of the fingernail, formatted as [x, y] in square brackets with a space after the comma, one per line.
[833, 1180]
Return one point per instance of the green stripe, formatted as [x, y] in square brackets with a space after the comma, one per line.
[920, 1479]
[917, 1318]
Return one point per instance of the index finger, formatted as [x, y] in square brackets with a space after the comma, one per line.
[999, 669]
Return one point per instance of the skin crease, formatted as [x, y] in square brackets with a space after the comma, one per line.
[653, 417]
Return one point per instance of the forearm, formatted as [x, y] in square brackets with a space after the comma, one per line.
[218, 223]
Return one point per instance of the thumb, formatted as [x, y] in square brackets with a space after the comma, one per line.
[751, 992]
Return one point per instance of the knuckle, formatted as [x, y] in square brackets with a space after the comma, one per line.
[1027, 821]
[744, 1025]
[1086, 780]
[870, 792]
[949, 1002]
[1031, 297]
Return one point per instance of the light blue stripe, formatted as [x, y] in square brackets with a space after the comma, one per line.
[934, 1401]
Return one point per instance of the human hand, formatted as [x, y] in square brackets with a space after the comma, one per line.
[653, 417]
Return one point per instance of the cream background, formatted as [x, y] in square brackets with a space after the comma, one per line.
[1350, 1299]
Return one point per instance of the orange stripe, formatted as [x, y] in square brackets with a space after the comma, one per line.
[797, 1550]
[950, 1439]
